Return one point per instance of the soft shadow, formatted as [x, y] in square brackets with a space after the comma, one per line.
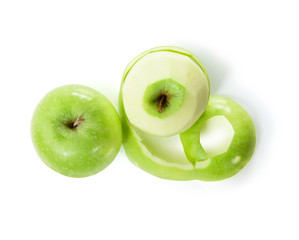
[264, 128]
[217, 68]
[107, 87]
[218, 71]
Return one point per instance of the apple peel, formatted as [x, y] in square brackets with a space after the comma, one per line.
[240, 150]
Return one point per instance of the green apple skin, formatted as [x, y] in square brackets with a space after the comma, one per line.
[240, 150]
[79, 151]
[137, 152]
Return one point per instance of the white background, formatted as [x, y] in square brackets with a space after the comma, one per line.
[250, 49]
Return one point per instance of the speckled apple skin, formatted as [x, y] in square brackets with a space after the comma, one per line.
[90, 147]
[240, 150]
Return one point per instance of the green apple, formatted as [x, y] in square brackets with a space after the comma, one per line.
[165, 90]
[137, 150]
[76, 131]
[241, 146]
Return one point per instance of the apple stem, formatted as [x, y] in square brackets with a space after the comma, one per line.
[161, 102]
[77, 122]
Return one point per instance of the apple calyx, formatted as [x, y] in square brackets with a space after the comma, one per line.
[71, 124]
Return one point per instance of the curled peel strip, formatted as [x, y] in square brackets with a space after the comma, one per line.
[240, 150]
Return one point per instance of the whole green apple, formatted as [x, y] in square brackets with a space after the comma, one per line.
[76, 131]
[240, 150]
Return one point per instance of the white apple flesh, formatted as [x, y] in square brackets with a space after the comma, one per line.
[157, 66]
